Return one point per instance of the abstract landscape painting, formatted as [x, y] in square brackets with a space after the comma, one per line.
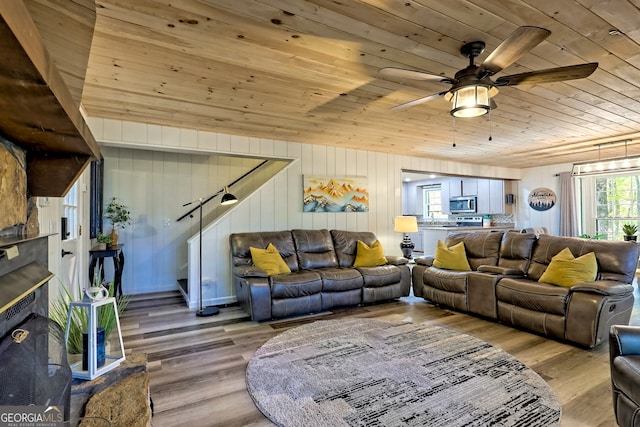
[335, 194]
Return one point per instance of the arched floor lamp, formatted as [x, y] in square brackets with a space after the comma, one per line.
[227, 199]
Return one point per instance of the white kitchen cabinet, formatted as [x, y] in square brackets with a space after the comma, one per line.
[469, 186]
[455, 187]
[483, 204]
[430, 240]
[490, 196]
[463, 187]
[496, 196]
[445, 194]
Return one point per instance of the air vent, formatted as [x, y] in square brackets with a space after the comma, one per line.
[17, 308]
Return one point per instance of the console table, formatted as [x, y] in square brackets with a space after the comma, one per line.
[97, 257]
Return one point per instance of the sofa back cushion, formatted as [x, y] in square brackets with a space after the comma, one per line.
[516, 249]
[346, 244]
[483, 248]
[314, 249]
[617, 260]
[282, 240]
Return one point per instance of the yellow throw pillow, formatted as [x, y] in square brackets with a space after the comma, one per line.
[453, 258]
[369, 256]
[566, 270]
[269, 260]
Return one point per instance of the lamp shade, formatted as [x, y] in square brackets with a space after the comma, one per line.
[228, 198]
[405, 224]
[470, 101]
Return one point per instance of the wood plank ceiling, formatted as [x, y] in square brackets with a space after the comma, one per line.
[307, 71]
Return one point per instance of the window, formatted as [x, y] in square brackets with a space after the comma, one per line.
[432, 196]
[70, 211]
[617, 203]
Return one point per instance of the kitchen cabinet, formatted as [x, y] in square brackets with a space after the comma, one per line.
[463, 187]
[469, 186]
[445, 194]
[496, 196]
[430, 240]
[490, 196]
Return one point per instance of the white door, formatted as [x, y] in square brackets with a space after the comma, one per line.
[72, 246]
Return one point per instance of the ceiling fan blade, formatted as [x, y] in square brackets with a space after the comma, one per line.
[558, 74]
[492, 104]
[419, 101]
[509, 51]
[414, 75]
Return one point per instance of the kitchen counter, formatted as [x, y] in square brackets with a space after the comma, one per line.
[466, 228]
[432, 233]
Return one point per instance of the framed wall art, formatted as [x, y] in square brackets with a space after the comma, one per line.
[542, 199]
[335, 194]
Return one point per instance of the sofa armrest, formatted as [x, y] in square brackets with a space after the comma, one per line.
[427, 260]
[604, 287]
[396, 260]
[504, 271]
[249, 271]
[624, 340]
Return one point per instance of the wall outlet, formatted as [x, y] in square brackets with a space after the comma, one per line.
[167, 222]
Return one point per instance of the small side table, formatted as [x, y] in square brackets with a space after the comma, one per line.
[97, 257]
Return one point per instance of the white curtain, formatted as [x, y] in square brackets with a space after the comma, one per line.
[567, 205]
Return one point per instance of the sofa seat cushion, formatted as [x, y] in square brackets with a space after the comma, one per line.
[533, 295]
[446, 280]
[340, 279]
[626, 374]
[382, 275]
[296, 284]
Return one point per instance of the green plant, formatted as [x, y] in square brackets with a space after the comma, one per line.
[104, 238]
[629, 229]
[80, 320]
[117, 213]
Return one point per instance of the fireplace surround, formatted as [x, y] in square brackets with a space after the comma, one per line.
[34, 371]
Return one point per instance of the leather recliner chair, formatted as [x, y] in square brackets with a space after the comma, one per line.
[624, 351]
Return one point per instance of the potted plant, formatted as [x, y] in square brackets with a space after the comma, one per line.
[103, 240]
[630, 231]
[119, 215]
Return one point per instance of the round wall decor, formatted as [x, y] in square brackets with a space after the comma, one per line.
[542, 199]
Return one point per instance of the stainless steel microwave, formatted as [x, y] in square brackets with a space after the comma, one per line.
[462, 204]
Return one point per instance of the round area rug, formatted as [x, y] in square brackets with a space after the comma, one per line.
[367, 372]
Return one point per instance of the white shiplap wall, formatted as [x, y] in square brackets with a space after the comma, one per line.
[277, 205]
[533, 178]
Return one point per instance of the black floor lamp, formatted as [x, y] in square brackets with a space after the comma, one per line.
[227, 199]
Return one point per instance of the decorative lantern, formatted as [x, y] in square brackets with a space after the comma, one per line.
[96, 361]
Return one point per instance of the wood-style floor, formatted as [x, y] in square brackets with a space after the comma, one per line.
[197, 365]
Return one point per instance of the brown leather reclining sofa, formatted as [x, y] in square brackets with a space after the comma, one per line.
[322, 273]
[503, 284]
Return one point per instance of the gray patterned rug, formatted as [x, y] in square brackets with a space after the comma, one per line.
[366, 372]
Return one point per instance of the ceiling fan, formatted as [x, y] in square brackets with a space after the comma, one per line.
[472, 88]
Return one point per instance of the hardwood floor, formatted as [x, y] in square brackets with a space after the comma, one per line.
[197, 365]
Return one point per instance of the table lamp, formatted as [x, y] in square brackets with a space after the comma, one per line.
[405, 225]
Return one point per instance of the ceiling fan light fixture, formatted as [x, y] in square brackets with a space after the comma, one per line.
[470, 101]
